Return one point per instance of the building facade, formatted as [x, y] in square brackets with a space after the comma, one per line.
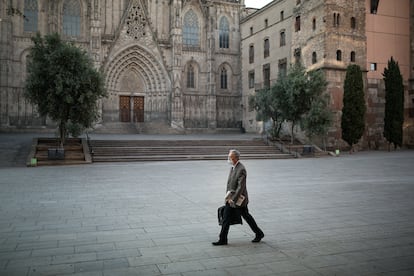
[389, 33]
[330, 35]
[265, 50]
[170, 63]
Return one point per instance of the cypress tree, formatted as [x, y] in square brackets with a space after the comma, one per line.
[353, 110]
[394, 104]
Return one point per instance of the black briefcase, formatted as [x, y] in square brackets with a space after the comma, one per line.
[235, 215]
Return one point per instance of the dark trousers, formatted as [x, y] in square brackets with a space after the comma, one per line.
[228, 213]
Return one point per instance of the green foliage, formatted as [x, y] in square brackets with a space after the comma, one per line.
[63, 83]
[298, 93]
[394, 104]
[265, 105]
[298, 98]
[319, 118]
[353, 111]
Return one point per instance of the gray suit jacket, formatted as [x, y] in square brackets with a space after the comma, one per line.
[236, 183]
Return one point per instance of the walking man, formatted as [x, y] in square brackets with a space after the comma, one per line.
[237, 197]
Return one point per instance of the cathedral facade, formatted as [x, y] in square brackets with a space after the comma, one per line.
[170, 63]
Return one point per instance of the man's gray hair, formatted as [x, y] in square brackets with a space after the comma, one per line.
[236, 153]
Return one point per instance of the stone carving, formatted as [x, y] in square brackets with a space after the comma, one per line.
[136, 21]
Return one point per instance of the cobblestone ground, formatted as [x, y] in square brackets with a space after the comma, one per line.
[347, 215]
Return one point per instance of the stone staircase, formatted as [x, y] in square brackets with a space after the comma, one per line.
[180, 150]
[135, 128]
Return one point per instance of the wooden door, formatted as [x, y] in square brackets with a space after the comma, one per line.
[138, 109]
[124, 109]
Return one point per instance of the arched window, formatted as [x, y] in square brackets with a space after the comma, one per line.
[339, 55]
[297, 23]
[224, 31]
[71, 18]
[353, 23]
[314, 58]
[282, 38]
[30, 15]
[352, 56]
[314, 24]
[191, 30]
[336, 20]
[266, 48]
[223, 78]
[190, 77]
[251, 54]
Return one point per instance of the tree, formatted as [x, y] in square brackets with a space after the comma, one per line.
[297, 93]
[292, 97]
[63, 83]
[319, 118]
[394, 104]
[265, 105]
[353, 110]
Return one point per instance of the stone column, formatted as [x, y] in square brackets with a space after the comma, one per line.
[211, 71]
[6, 47]
[177, 110]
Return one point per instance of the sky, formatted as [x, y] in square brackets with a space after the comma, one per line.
[256, 3]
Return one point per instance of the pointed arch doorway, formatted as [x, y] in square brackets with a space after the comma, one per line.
[139, 88]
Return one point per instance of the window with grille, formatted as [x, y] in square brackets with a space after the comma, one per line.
[223, 78]
[251, 79]
[282, 38]
[190, 77]
[71, 18]
[224, 31]
[251, 54]
[266, 75]
[266, 47]
[30, 16]
[282, 67]
[191, 29]
[297, 24]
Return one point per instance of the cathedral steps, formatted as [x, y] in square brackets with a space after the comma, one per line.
[135, 128]
[179, 150]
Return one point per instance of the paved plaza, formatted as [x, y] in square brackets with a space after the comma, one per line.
[346, 215]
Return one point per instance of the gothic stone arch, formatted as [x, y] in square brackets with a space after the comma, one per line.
[135, 74]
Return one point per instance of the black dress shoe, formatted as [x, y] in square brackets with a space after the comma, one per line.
[219, 243]
[258, 238]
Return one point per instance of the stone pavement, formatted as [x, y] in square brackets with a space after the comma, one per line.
[347, 215]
